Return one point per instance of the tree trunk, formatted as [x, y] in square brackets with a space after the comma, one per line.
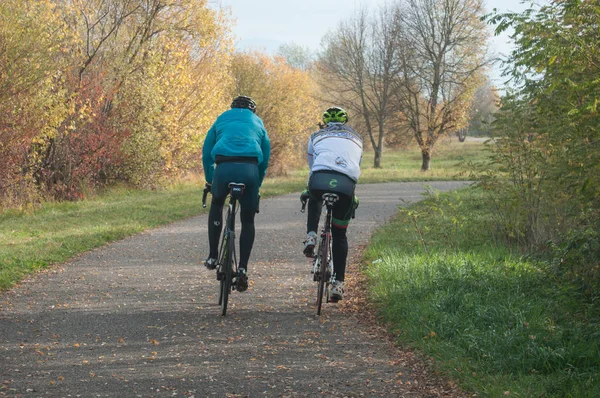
[426, 159]
[379, 149]
[377, 159]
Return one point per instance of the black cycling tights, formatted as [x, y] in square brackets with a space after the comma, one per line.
[339, 244]
[215, 225]
[339, 249]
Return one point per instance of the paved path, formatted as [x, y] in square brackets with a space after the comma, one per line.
[138, 318]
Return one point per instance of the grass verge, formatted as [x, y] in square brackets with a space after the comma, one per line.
[58, 231]
[492, 320]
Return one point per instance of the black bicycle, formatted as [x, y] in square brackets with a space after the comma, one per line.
[227, 266]
[323, 262]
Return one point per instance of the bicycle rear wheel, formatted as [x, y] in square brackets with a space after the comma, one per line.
[323, 255]
[329, 274]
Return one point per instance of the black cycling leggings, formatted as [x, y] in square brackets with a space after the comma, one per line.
[215, 226]
[339, 244]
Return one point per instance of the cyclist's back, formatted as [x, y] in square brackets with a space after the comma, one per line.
[337, 147]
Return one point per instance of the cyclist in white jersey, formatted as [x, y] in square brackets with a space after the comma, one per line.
[334, 156]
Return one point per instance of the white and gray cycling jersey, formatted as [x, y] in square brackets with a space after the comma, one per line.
[336, 147]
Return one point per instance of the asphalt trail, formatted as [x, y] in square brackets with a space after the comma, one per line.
[138, 318]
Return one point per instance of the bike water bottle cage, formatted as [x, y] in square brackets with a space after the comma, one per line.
[236, 190]
[330, 198]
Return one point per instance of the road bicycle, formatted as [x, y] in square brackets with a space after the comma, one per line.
[227, 265]
[323, 260]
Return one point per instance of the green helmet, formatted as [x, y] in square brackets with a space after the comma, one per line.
[335, 114]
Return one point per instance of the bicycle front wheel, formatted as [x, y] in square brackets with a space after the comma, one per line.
[227, 275]
[221, 268]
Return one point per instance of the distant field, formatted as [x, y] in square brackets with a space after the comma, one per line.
[447, 163]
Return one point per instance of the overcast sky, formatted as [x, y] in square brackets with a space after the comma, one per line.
[266, 24]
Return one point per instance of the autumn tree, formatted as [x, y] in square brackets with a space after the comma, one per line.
[358, 67]
[33, 42]
[285, 102]
[98, 90]
[175, 91]
[140, 85]
[443, 46]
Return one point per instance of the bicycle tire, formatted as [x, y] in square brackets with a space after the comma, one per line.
[323, 253]
[227, 277]
[222, 255]
[329, 274]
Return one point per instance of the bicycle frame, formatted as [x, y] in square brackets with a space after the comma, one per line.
[323, 262]
[227, 265]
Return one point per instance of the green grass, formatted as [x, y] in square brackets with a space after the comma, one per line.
[55, 232]
[58, 231]
[492, 320]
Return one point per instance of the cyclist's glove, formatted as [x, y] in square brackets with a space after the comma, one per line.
[355, 202]
[304, 196]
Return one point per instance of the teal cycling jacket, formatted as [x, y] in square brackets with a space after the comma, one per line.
[236, 132]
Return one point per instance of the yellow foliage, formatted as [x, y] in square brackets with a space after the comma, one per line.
[75, 74]
[32, 100]
[175, 95]
[285, 102]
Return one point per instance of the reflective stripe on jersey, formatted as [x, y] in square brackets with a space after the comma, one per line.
[324, 134]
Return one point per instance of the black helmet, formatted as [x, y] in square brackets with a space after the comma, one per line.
[244, 102]
[335, 114]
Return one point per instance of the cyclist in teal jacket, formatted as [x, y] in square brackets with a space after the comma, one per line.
[236, 149]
